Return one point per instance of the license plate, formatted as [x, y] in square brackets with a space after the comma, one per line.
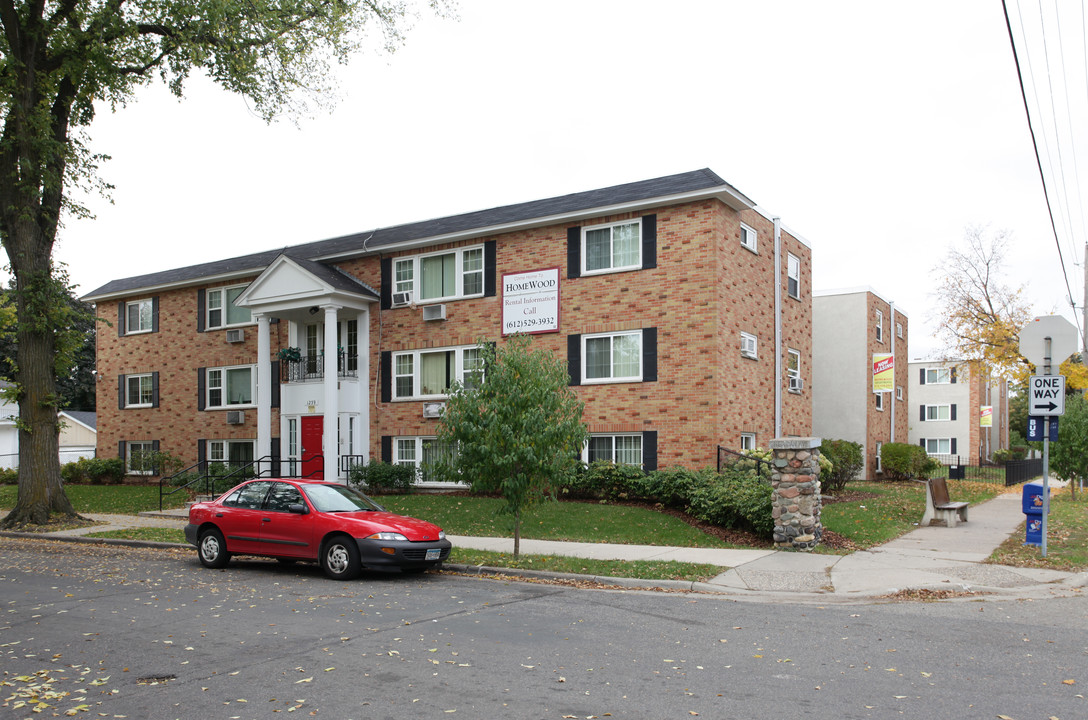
[434, 554]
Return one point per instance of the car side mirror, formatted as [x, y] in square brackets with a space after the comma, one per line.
[298, 508]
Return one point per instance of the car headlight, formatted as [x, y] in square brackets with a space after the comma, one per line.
[386, 536]
[441, 534]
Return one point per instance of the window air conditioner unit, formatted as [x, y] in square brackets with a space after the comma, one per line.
[236, 417]
[433, 409]
[236, 336]
[796, 384]
[434, 312]
[402, 298]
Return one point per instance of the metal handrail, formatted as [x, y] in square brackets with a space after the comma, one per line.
[208, 479]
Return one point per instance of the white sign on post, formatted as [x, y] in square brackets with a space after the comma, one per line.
[1047, 396]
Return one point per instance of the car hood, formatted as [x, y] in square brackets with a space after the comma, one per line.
[410, 527]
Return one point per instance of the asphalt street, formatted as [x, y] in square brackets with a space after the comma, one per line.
[108, 631]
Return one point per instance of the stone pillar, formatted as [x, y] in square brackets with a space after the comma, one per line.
[796, 501]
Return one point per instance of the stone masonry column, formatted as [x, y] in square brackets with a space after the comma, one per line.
[796, 501]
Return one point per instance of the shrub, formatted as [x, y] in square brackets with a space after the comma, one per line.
[380, 477]
[97, 471]
[733, 499]
[846, 459]
[9, 476]
[903, 461]
[1006, 454]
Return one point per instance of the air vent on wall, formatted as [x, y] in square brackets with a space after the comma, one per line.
[433, 409]
[402, 298]
[236, 417]
[434, 312]
[236, 336]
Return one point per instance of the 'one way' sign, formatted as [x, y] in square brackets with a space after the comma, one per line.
[1047, 395]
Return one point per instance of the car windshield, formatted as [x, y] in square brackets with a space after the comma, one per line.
[338, 498]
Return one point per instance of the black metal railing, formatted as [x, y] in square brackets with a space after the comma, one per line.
[1011, 473]
[312, 367]
[209, 478]
[739, 460]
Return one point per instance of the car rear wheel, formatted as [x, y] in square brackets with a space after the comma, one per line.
[340, 558]
[212, 549]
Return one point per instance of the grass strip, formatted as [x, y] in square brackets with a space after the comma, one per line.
[638, 569]
[1066, 541]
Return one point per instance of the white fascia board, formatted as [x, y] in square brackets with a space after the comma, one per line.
[771, 216]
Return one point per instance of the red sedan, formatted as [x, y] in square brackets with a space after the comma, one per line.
[333, 524]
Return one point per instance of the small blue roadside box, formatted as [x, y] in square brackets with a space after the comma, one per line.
[1033, 509]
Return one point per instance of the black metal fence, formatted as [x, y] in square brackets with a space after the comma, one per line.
[1011, 473]
[738, 460]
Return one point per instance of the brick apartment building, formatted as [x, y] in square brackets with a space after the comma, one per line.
[849, 328]
[682, 310]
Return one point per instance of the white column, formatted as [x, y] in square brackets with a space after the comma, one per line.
[330, 442]
[364, 384]
[264, 388]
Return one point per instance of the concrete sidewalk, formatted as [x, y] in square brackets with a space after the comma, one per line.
[929, 558]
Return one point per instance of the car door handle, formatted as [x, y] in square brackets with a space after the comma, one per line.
[267, 519]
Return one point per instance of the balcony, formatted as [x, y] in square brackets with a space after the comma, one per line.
[303, 368]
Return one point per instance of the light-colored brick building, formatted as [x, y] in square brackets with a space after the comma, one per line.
[959, 412]
[849, 329]
[682, 309]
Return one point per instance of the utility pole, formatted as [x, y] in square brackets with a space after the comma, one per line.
[1084, 311]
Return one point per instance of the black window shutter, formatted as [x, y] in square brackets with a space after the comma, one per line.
[952, 412]
[387, 283]
[922, 376]
[649, 354]
[277, 471]
[922, 442]
[201, 308]
[387, 376]
[649, 241]
[120, 392]
[201, 387]
[121, 319]
[387, 448]
[922, 413]
[155, 314]
[953, 446]
[649, 450]
[202, 451]
[489, 268]
[953, 374]
[275, 375]
[121, 448]
[574, 252]
[154, 389]
[574, 358]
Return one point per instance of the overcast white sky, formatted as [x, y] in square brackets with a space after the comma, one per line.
[878, 131]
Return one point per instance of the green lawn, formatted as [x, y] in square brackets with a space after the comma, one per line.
[119, 499]
[1066, 538]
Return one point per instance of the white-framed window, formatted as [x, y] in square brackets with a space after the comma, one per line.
[899, 330]
[936, 413]
[431, 373]
[234, 453]
[139, 390]
[612, 248]
[612, 357]
[441, 276]
[222, 310]
[793, 276]
[749, 345]
[879, 326]
[793, 370]
[292, 462]
[231, 386]
[939, 446]
[747, 441]
[747, 237]
[139, 316]
[898, 392]
[938, 376]
[139, 457]
[621, 449]
[419, 453]
[879, 401]
[879, 451]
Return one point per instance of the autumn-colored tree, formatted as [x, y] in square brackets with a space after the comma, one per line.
[59, 62]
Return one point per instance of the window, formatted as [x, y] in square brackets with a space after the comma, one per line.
[748, 345]
[612, 248]
[936, 376]
[250, 496]
[747, 237]
[139, 316]
[140, 391]
[140, 458]
[793, 370]
[932, 413]
[793, 276]
[899, 330]
[879, 450]
[879, 326]
[230, 386]
[292, 468]
[420, 453]
[431, 373]
[879, 401]
[747, 441]
[448, 275]
[615, 357]
[618, 449]
[233, 453]
[898, 392]
[222, 312]
[938, 446]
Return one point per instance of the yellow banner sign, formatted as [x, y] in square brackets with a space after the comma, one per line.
[883, 372]
[986, 416]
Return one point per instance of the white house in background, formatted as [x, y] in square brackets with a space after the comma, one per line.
[9, 434]
[949, 401]
[77, 435]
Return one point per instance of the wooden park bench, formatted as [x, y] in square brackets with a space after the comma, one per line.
[939, 508]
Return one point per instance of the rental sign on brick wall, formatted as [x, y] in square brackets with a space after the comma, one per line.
[530, 302]
[883, 372]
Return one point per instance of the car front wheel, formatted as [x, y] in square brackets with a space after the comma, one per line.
[212, 549]
[340, 558]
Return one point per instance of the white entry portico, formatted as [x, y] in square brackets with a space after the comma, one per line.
[322, 374]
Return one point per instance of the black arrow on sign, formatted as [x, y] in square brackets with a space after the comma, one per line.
[1049, 406]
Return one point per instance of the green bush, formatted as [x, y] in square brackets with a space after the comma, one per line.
[380, 477]
[847, 460]
[1006, 454]
[734, 499]
[904, 461]
[96, 471]
[9, 476]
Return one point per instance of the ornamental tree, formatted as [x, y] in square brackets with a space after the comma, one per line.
[515, 432]
[60, 60]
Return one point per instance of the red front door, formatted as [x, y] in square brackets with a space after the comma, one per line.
[313, 464]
